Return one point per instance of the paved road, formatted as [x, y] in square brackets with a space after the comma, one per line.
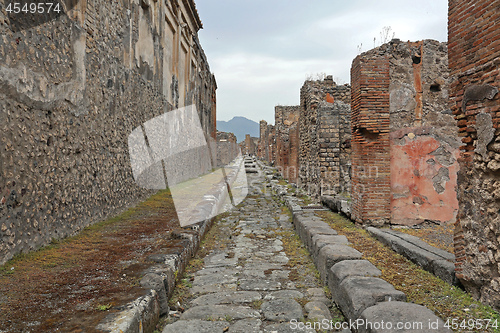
[255, 283]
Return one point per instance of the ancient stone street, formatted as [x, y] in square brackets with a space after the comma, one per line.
[255, 283]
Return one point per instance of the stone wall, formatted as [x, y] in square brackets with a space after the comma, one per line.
[322, 103]
[474, 61]
[404, 145]
[249, 146]
[227, 148]
[266, 148]
[72, 88]
[286, 121]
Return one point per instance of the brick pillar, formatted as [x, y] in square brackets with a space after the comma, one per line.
[371, 194]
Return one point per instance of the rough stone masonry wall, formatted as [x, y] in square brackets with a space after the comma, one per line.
[405, 148]
[72, 88]
[262, 147]
[424, 142]
[250, 145]
[286, 119]
[474, 61]
[319, 148]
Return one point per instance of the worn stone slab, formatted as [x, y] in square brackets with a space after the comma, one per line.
[320, 240]
[420, 243]
[213, 279]
[445, 270]
[347, 268]
[292, 327]
[155, 282]
[416, 254]
[400, 312]
[329, 255]
[311, 232]
[245, 326]
[429, 258]
[317, 311]
[336, 204]
[262, 285]
[356, 293]
[235, 297]
[219, 312]
[284, 294]
[142, 313]
[282, 309]
[198, 326]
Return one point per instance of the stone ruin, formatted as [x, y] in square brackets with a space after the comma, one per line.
[404, 144]
[474, 61]
[407, 162]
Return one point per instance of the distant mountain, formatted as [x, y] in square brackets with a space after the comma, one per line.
[240, 126]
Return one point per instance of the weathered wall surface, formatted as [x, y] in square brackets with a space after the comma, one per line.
[424, 153]
[227, 148]
[405, 148]
[286, 121]
[249, 146]
[71, 90]
[323, 103]
[474, 60]
[371, 195]
[266, 148]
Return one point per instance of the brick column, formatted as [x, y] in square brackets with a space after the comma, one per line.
[371, 194]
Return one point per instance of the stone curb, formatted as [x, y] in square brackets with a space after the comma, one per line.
[354, 284]
[142, 314]
[337, 204]
[433, 260]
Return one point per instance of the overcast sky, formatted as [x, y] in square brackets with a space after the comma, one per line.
[261, 51]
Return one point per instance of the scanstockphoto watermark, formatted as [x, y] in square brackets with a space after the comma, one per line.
[358, 324]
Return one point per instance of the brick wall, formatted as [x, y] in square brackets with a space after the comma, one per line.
[71, 91]
[474, 61]
[370, 195]
[404, 146]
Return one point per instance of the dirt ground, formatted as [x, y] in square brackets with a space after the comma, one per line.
[70, 286]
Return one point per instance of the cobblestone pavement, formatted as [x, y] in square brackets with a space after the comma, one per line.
[260, 280]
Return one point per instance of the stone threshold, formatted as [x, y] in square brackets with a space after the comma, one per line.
[434, 260]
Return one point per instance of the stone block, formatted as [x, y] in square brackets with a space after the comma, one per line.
[416, 318]
[318, 241]
[356, 293]
[310, 232]
[348, 268]
[445, 270]
[329, 255]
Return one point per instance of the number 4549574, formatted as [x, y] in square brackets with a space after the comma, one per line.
[471, 323]
[33, 8]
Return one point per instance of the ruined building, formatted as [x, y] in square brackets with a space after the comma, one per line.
[73, 85]
[249, 146]
[266, 148]
[324, 137]
[287, 141]
[227, 148]
[474, 61]
[404, 142]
